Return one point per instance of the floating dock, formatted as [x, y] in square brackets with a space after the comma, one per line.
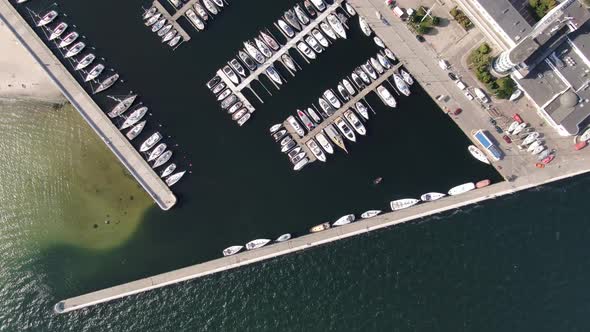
[172, 19]
[94, 116]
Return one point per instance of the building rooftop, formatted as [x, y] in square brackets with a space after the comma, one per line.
[512, 16]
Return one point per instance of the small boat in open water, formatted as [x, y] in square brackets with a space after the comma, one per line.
[404, 203]
[429, 197]
[370, 214]
[319, 228]
[347, 219]
[232, 250]
[255, 244]
[463, 188]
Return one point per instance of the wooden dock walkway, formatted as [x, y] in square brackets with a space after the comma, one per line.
[359, 96]
[172, 19]
[90, 111]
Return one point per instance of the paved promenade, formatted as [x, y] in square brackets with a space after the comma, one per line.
[93, 115]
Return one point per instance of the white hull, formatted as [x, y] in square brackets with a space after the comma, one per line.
[460, 189]
[347, 219]
[478, 154]
[370, 214]
[429, 197]
[401, 204]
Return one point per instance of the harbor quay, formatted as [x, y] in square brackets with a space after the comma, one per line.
[90, 111]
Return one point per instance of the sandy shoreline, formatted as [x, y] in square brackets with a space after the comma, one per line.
[21, 77]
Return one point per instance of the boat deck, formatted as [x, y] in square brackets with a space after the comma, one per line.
[172, 19]
[90, 111]
[359, 96]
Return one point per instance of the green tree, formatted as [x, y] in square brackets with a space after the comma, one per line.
[484, 48]
[435, 20]
[541, 7]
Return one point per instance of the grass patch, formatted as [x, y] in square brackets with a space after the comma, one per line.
[480, 61]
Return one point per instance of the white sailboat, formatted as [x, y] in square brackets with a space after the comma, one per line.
[232, 250]
[404, 203]
[478, 154]
[255, 244]
[172, 179]
[463, 188]
[347, 219]
[370, 214]
[433, 196]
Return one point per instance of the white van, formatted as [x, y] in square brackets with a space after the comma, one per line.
[461, 85]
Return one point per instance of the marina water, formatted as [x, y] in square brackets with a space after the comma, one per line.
[75, 222]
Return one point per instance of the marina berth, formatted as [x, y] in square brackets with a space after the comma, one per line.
[107, 83]
[348, 86]
[85, 61]
[150, 142]
[177, 39]
[379, 42]
[328, 30]
[401, 85]
[272, 73]
[429, 197]
[407, 77]
[296, 126]
[378, 67]
[386, 96]
[319, 228]
[283, 237]
[224, 94]
[122, 106]
[460, 189]
[482, 183]
[244, 119]
[254, 52]
[301, 15]
[384, 61]
[335, 137]
[345, 129]
[292, 20]
[168, 170]
[401, 204]
[305, 120]
[311, 41]
[370, 214]
[316, 150]
[162, 159]
[389, 54]
[149, 13]
[174, 178]
[330, 96]
[325, 144]
[232, 250]
[288, 61]
[349, 9]
[368, 68]
[336, 25]
[347, 219]
[136, 130]
[134, 117]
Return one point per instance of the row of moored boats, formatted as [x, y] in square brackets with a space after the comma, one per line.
[530, 140]
[163, 28]
[234, 104]
[69, 45]
[395, 205]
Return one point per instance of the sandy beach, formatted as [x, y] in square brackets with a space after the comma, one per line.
[21, 77]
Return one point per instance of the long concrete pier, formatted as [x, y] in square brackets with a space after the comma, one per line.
[172, 19]
[94, 116]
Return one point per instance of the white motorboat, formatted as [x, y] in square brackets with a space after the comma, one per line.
[156, 27]
[364, 26]
[168, 170]
[177, 39]
[363, 75]
[85, 61]
[58, 30]
[270, 41]
[519, 128]
[305, 120]
[331, 97]
[122, 106]
[511, 128]
[231, 74]
[300, 164]
[369, 70]
[272, 73]
[200, 10]
[247, 60]
[327, 110]
[237, 67]
[404, 203]
[150, 142]
[136, 130]
[210, 7]
[328, 31]
[429, 197]
[255, 244]
[538, 149]
[254, 52]
[355, 122]
[478, 154]
[463, 188]
[530, 138]
[162, 159]
[378, 67]
[314, 115]
[343, 92]
[232, 250]
[263, 47]
[164, 30]
[239, 114]
[320, 38]
[384, 61]
[306, 50]
[386, 96]
[288, 61]
[349, 9]
[169, 36]
[310, 9]
[585, 136]
[157, 151]
[94, 72]
[229, 101]
[149, 13]
[362, 110]
[279, 135]
[153, 19]
[295, 125]
[347, 219]
[274, 128]
[379, 42]
[195, 20]
[107, 83]
[172, 179]
[219, 3]
[390, 54]
[314, 44]
[401, 85]
[370, 214]
[287, 147]
[534, 145]
[290, 17]
[324, 143]
[345, 129]
[316, 150]
[286, 28]
[336, 25]
[47, 18]
[319, 5]
[407, 77]
[74, 50]
[297, 158]
[134, 117]
[301, 15]
[224, 95]
[515, 95]
[348, 86]
[283, 237]
[357, 80]
[294, 152]
[335, 137]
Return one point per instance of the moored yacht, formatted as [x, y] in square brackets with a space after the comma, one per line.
[369, 70]
[273, 74]
[247, 60]
[195, 20]
[377, 66]
[150, 142]
[349, 9]
[355, 122]
[343, 92]
[162, 159]
[255, 244]
[94, 72]
[331, 97]
[390, 54]
[235, 107]
[149, 13]
[363, 75]
[335, 137]
[156, 27]
[292, 20]
[172, 179]
[153, 19]
[336, 25]
[169, 36]
[384, 61]
[136, 130]
[348, 86]
[224, 94]
[210, 7]
[407, 77]
[362, 110]
[254, 52]
[288, 61]
[478, 154]
[74, 50]
[319, 228]
[364, 26]
[168, 170]
[274, 128]
[270, 41]
[283, 238]
[235, 64]
[345, 129]
[370, 214]
[157, 151]
[243, 119]
[309, 7]
[403, 203]
[379, 42]
[314, 44]
[319, 5]
[401, 85]
[347, 219]
[328, 31]
[219, 3]
[324, 143]
[286, 28]
[301, 16]
[164, 30]
[314, 115]
[386, 96]
[177, 39]
[122, 106]
[200, 10]
[47, 18]
[58, 30]
[306, 50]
[326, 108]
[231, 75]
[463, 188]
[107, 83]
[315, 149]
[263, 47]
[306, 121]
[232, 250]
[85, 61]
[357, 80]
[134, 117]
[429, 197]
[300, 164]
[295, 125]
[320, 38]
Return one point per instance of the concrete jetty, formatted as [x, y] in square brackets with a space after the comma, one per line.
[172, 19]
[94, 116]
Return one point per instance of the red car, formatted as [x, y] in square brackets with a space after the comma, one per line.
[517, 118]
[507, 139]
[457, 111]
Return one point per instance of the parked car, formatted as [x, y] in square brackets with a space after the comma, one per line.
[453, 76]
[457, 111]
[498, 129]
[492, 121]
[468, 95]
[507, 139]
[420, 38]
[444, 65]
[517, 118]
[461, 85]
